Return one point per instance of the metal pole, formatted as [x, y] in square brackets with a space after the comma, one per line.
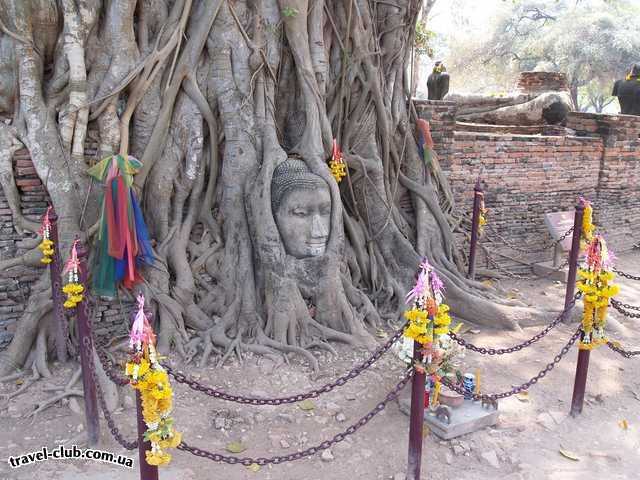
[475, 224]
[573, 256]
[55, 269]
[92, 422]
[416, 418]
[147, 472]
[582, 367]
[580, 384]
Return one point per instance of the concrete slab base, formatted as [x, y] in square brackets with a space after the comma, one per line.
[547, 270]
[467, 418]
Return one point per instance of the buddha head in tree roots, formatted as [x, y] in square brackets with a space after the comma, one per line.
[301, 206]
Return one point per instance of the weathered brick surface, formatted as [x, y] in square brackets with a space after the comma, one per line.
[526, 176]
[536, 82]
[441, 116]
[499, 129]
[15, 283]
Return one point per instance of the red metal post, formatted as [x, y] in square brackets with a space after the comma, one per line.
[92, 421]
[582, 366]
[475, 227]
[573, 256]
[55, 269]
[416, 418]
[580, 384]
[147, 472]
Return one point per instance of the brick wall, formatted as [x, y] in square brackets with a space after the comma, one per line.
[618, 192]
[15, 283]
[536, 82]
[526, 176]
[441, 116]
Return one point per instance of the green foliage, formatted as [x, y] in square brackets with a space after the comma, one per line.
[424, 39]
[596, 96]
[589, 40]
[289, 12]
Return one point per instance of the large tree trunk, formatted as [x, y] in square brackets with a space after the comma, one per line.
[213, 95]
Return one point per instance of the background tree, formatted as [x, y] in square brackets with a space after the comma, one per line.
[212, 95]
[593, 41]
[596, 96]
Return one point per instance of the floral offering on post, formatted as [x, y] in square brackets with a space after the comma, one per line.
[429, 323]
[337, 165]
[588, 228]
[482, 221]
[152, 381]
[73, 289]
[596, 285]
[46, 245]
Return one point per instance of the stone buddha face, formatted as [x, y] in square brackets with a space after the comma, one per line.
[301, 205]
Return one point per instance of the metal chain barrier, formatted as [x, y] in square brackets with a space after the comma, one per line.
[262, 461]
[115, 432]
[625, 353]
[625, 275]
[620, 307]
[525, 386]
[516, 348]
[112, 371]
[628, 306]
[494, 263]
[101, 400]
[489, 227]
[356, 371]
[517, 248]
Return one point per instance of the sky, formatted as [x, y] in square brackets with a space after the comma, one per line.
[449, 16]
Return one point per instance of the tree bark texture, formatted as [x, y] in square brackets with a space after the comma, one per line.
[212, 95]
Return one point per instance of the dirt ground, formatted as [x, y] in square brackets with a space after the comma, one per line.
[525, 444]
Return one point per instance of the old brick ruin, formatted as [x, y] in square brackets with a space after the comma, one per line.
[15, 283]
[526, 171]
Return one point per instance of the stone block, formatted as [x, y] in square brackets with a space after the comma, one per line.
[467, 418]
[547, 270]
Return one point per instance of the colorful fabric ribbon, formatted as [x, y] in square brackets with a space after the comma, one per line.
[123, 238]
[425, 141]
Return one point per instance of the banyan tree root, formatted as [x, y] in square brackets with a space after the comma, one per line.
[213, 96]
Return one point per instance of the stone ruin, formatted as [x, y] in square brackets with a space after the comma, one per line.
[538, 98]
[530, 168]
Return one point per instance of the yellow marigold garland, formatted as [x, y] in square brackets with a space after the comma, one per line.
[482, 221]
[73, 289]
[588, 228]
[428, 324]
[152, 381]
[46, 245]
[596, 285]
[336, 165]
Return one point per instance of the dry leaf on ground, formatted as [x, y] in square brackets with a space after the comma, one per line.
[306, 405]
[235, 447]
[569, 455]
